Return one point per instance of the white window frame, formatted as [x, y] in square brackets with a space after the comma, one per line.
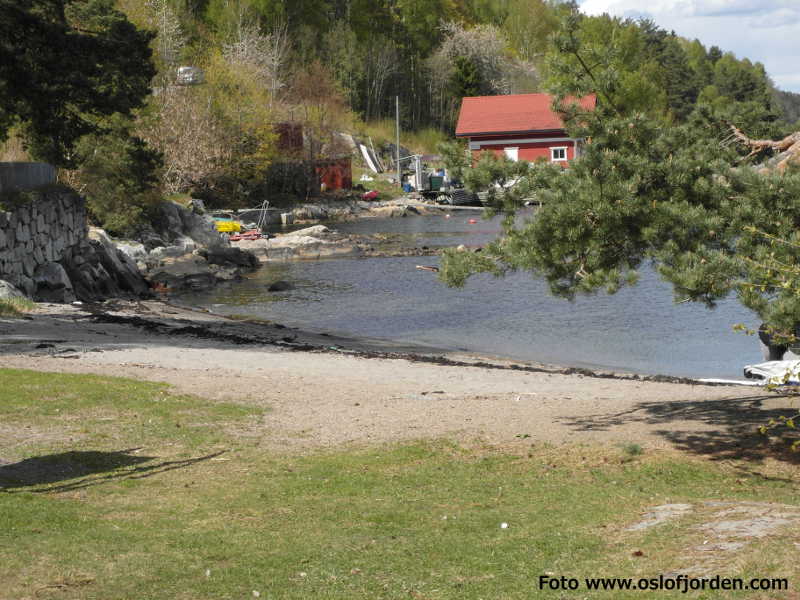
[511, 153]
[553, 154]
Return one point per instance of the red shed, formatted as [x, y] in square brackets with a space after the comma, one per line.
[521, 126]
[335, 173]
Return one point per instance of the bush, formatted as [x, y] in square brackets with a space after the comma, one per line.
[119, 176]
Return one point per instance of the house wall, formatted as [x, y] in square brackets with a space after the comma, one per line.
[530, 152]
[531, 146]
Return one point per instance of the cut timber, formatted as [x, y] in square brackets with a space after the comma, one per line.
[787, 149]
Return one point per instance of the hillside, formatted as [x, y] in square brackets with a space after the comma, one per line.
[332, 66]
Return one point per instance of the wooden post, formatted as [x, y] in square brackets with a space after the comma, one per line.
[397, 149]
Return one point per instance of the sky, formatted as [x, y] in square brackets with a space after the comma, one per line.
[765, 31]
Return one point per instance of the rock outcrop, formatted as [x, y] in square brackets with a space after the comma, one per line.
[342, 210]
[8, 290]
[53, 284]
[184, 251]
[309, 243]
[47, 252]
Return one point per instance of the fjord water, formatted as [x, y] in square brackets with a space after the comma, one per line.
[639, 329]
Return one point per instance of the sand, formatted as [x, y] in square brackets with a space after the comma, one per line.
[325, 392]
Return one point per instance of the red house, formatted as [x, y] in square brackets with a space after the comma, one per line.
[521, 126]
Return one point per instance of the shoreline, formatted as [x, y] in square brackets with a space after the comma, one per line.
[322, 391]
[164, 317]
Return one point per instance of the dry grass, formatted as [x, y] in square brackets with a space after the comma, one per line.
[422, 141]
[12, 150]
[15, 307]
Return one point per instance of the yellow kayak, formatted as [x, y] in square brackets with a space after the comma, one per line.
[228, 226]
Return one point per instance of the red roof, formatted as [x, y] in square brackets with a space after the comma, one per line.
[511, 114]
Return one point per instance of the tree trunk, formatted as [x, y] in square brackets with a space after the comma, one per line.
[787, 149]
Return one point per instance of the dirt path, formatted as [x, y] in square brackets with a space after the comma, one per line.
[322, 399]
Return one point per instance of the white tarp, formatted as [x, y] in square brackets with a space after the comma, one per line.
[368, 158]
[780, 372]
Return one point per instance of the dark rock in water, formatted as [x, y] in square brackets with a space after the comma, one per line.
[188, 282]
[53, 284]
[230, 256]
[280, 286]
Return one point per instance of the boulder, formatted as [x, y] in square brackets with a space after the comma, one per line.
[391, 211]
[230, 256]
[150, 239]
[117, 263]
[133, 250]
[53, 284]
[175, 280]
[170, 223]
[280, 286]
[315, 230]
[8, 290]
[181, 246]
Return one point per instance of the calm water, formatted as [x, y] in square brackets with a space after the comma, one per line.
[639, 329]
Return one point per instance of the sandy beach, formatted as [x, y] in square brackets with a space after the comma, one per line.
[326, 391]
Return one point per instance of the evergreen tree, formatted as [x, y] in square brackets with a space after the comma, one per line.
[65, 66]
[645, 190]
[466, 80]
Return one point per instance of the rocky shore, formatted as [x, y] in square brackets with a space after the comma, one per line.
[183, 251]
[187, 253]
[319, 241]
[348, 210]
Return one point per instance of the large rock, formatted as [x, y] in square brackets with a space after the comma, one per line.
[170, 221]
[133, 250]
[181, 246]
[176, 222]
[117, 264]
[7, 290]
[92, 282]
[290, 247]
[315, 230]
[53, 284]
[183, 275]
[310, 212]
[150, 239]
[230, 257]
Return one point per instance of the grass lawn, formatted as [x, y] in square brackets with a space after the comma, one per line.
[112, 488]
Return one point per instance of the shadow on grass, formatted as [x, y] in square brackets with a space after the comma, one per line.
[733, 426]
[92, 467]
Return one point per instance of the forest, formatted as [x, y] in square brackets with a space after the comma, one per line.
[333, 66]
[431, 53]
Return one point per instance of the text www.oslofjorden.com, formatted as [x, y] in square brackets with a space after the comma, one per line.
[679, 583]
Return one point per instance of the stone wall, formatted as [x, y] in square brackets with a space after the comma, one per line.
[44, 231]
[22, 176]
[47, 252]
